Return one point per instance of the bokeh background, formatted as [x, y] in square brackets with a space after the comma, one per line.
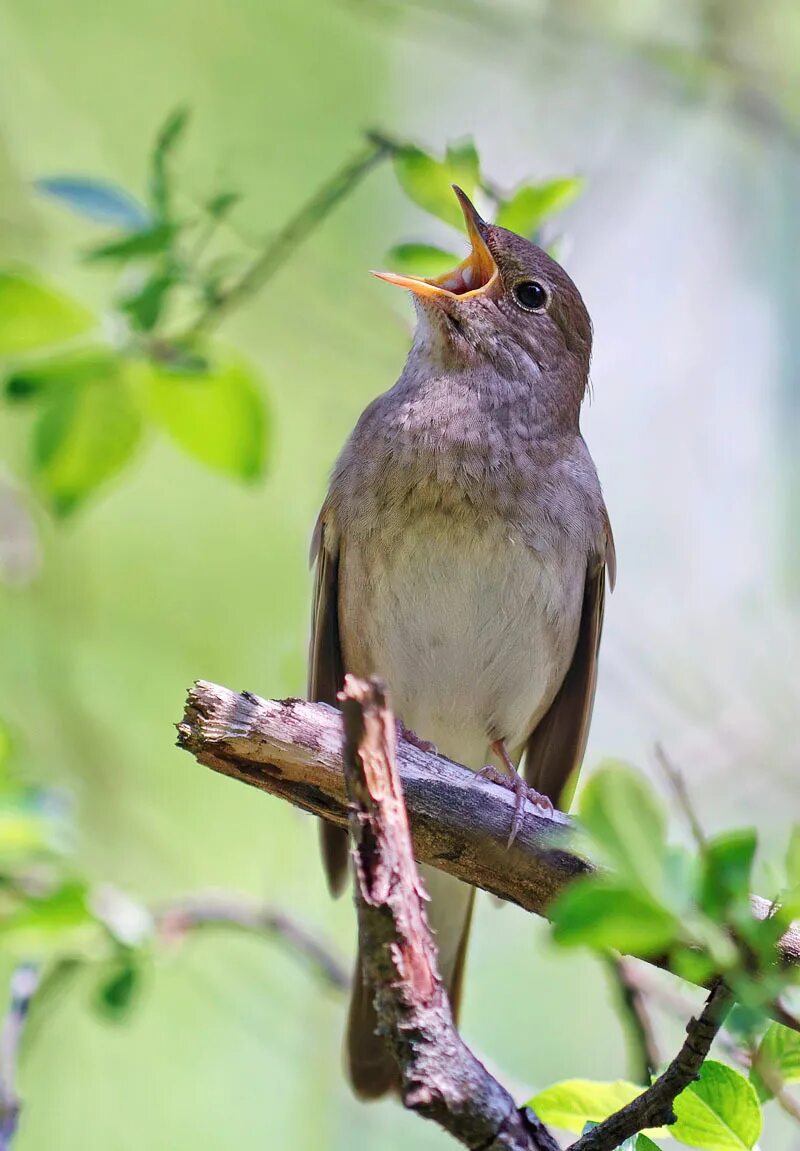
[685, 120]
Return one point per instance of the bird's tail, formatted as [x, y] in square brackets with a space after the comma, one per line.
[373, 1072]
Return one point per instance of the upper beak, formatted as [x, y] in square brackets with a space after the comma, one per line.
[472, 277]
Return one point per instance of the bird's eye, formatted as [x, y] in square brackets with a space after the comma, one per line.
[530, 295]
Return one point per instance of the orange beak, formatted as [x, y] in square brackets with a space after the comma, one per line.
[472, 277]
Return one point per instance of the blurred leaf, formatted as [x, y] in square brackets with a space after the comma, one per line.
[137, 245]
[575, 1102]
[421, 260]
[40, 923]
[31, 825]
[168, 136]
[644, 1143]
[218, 417]
[97, 200]
[85, 434]
[33, 315]
[727, 867]
[219, 206]
[624, 817]
[145, 307]
[32, 380]
[428, 181]
[719, 1112]
[603, 913]
[526, 209]
[793, 859]
[692, 965]
[779, 1050]
[119, 990]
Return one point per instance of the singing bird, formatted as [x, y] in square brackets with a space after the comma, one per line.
[461, 554]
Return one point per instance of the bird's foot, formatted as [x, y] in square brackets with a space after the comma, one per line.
[415, 740]
[522, 794]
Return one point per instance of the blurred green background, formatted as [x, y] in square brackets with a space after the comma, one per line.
[685, 120]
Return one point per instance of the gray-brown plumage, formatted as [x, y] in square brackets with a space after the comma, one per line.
[461, 552]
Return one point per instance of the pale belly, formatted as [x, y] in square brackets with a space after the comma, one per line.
[473, 632]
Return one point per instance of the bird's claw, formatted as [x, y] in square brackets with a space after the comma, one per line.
[522, 794]
[415, 740]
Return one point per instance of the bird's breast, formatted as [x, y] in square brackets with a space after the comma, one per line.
[472, 629]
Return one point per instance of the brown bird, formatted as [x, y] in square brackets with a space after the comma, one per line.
[461, 554]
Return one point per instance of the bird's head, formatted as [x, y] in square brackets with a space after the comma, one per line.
[507, 305]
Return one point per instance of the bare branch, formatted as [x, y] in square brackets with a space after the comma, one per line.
[293, 749]
[221, 909]
[645, 1057]
[24, 982]
[441, 1078]
[653, 1108]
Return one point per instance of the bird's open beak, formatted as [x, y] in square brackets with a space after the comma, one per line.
[471, 278]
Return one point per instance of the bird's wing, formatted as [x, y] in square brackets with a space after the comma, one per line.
[326, 672]
[555, 748]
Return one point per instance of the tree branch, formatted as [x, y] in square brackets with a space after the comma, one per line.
[293, 749]
[653, 1108]
[441, 1078]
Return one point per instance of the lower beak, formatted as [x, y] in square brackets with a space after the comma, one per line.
[472, 277]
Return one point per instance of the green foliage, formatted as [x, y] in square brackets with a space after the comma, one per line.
[776, 1062]
[33, 315]
[421, 260]
[429, 181]
[572, 1104]
[527, 209]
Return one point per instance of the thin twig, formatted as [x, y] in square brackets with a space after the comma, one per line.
[24, 982]
[176, 919]
[441, 1078]
[654, 1107]
[678, 783]
[297, 229]
[645, 1057]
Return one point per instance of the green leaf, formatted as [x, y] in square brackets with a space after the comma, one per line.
[720, 1112]
[624, 817]
[575, 1102]
[218, 417]
[727, 867]
[33, 380]
[168, 136]
[428, 181]
[40, 923]
[421, 260]
[86, 434]
[33, 315]
[119, 990]
[779, 1054]
[644, 1143]
[31, 826]
[137, 245]
[97, 200]
[526, 209]
[146, 306]
[219, 206]
[604, 914]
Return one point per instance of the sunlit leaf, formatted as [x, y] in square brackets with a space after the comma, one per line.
[85, 434]
[624, 817]
[719, 1112]
[218, 416]
[575, 1102]
[33, 315]
[138, 245]
[98, 200]
[168, 136]
[605, 914]
[778, 1057]
[527, 209]
[421, 260]
[34, 379]
[428, 181]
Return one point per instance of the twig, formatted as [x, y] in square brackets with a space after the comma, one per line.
[654, 1107]
[678, 784]
[222, 910]
[24, 982]
[441, 1078]
[297, 229]
[293, 749]
[645, 1057]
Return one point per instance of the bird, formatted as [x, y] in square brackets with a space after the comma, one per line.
[462, 554]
